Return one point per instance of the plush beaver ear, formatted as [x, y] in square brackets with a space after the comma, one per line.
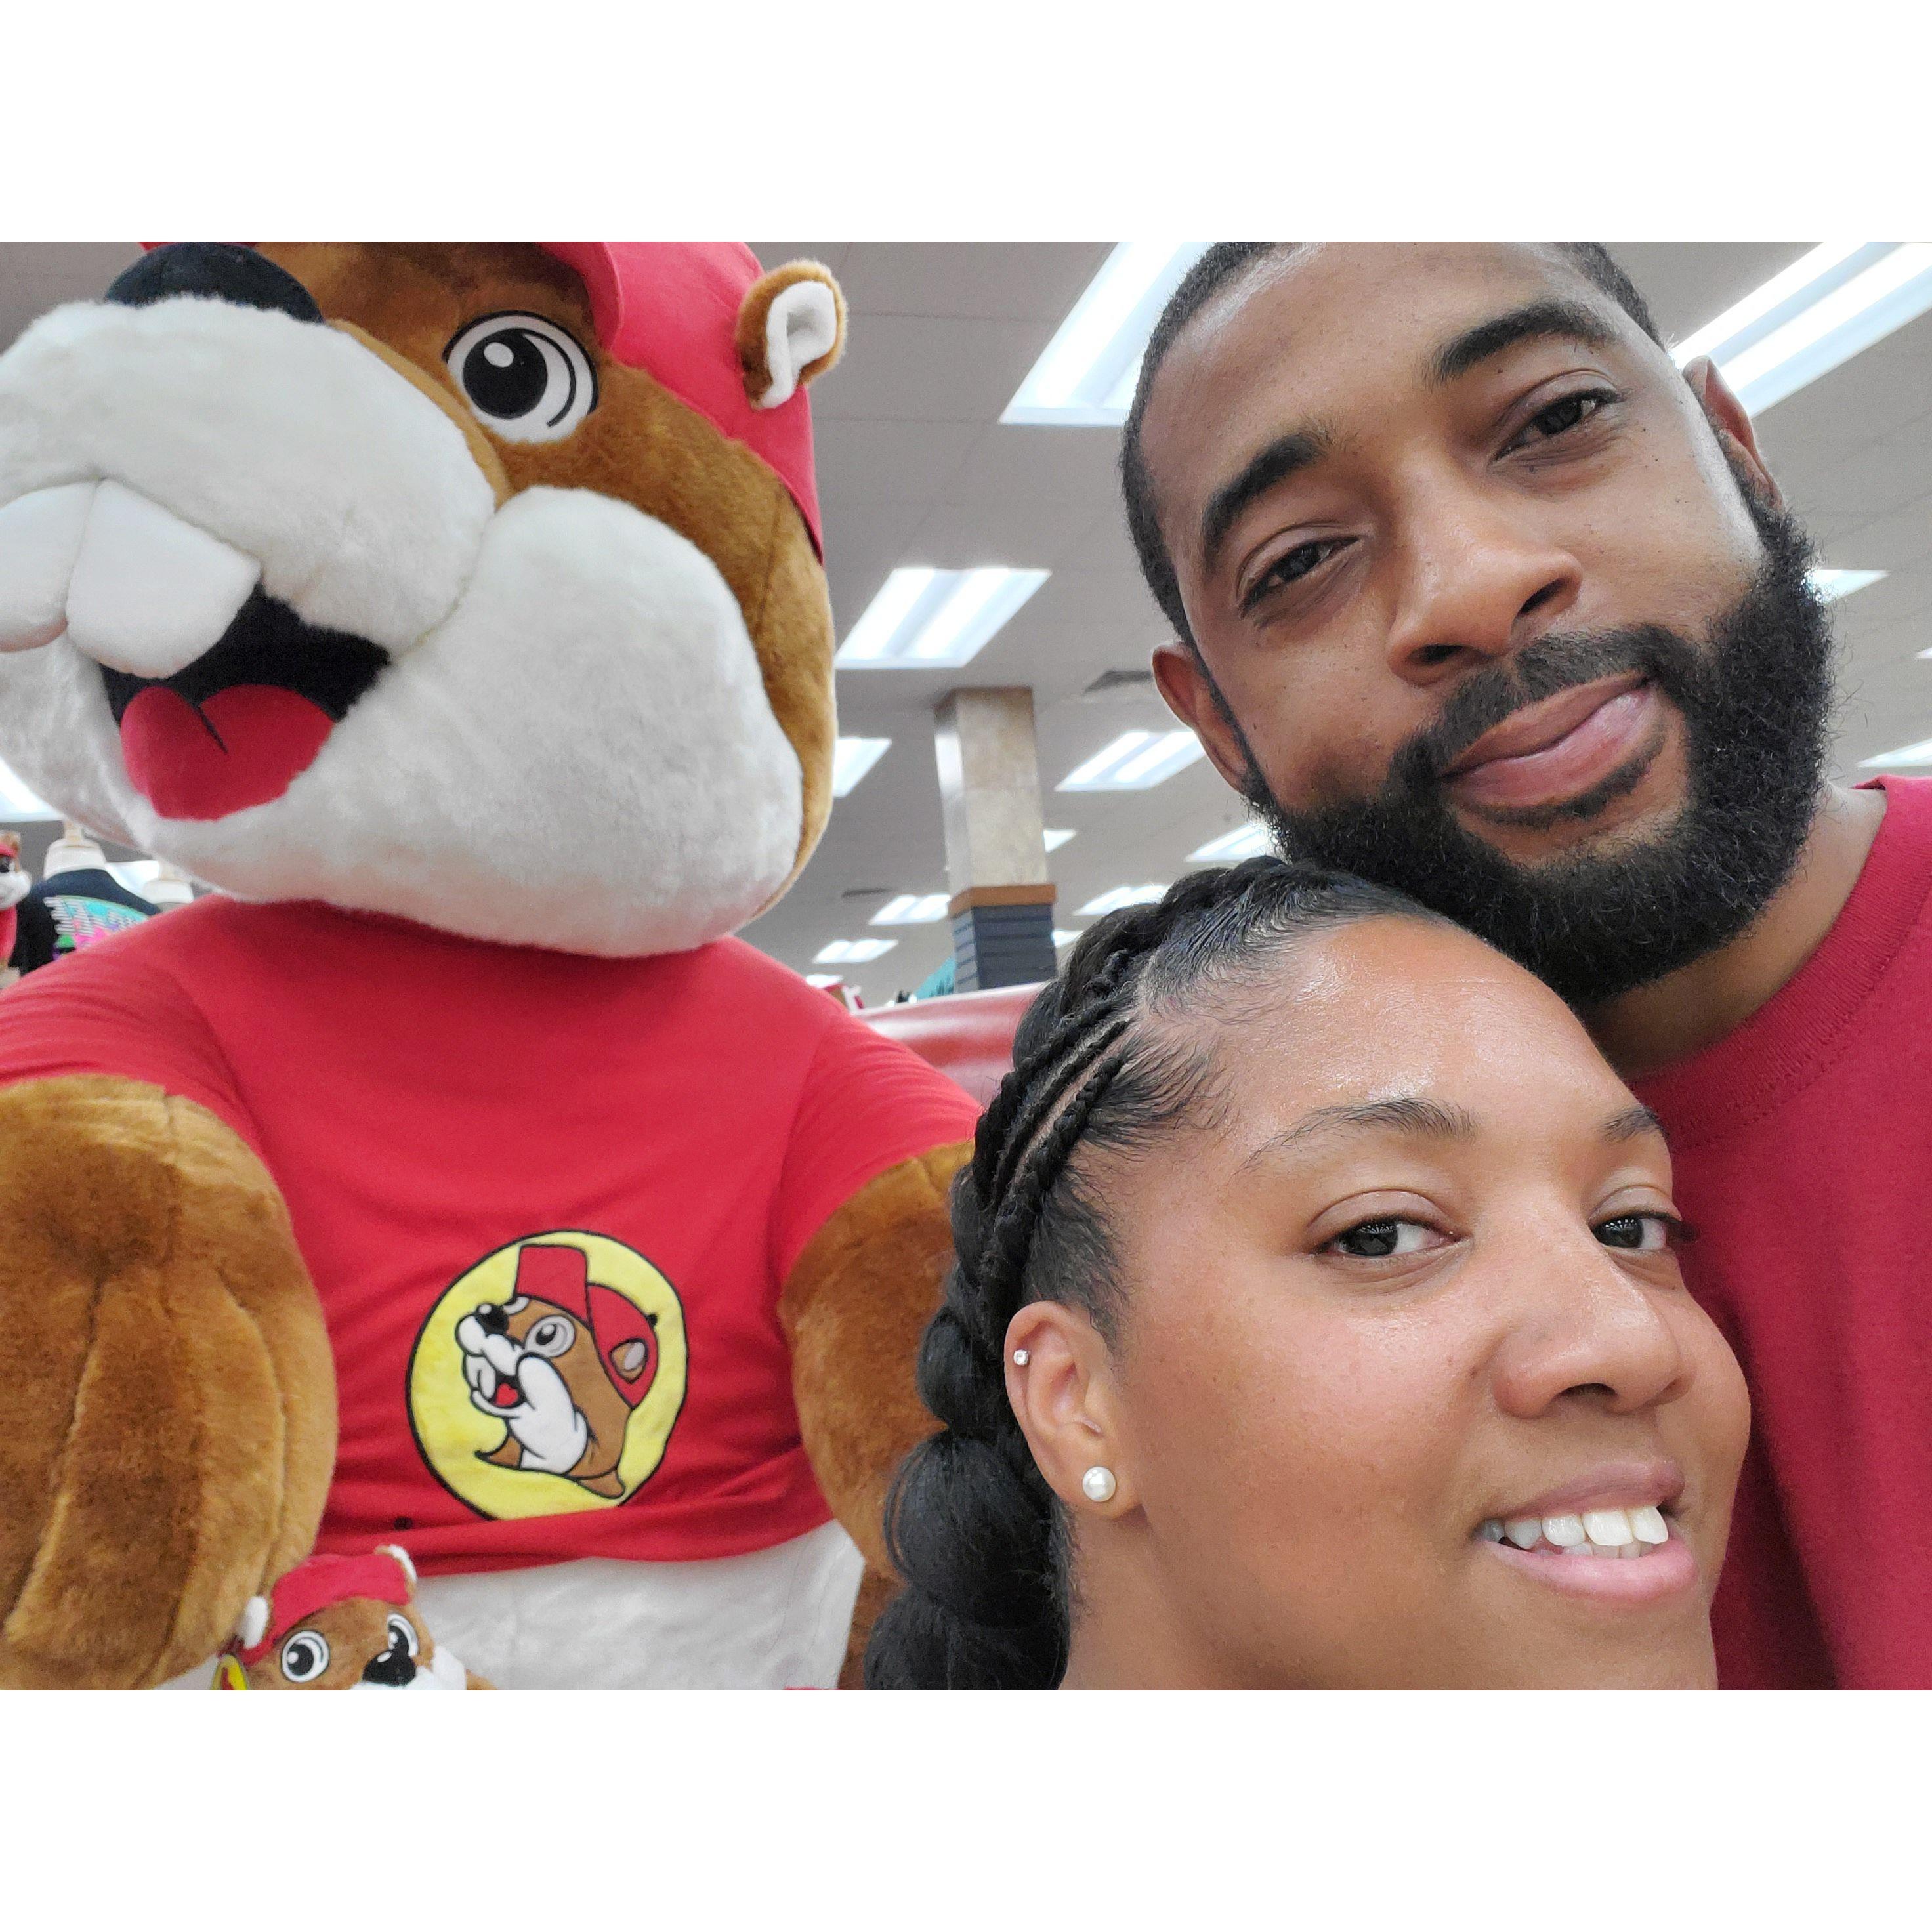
[791, 328]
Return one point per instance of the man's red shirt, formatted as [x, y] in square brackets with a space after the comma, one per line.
[1803, 1149]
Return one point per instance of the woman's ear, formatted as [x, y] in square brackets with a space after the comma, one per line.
[1059, 1382]
[791, 329]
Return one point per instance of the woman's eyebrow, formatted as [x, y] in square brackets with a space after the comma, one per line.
[1409, 1114]
[1633, 1124]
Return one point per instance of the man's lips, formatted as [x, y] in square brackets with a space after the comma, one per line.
[1559, 747]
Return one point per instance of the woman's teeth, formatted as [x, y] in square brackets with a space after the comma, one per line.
[1611, 1532]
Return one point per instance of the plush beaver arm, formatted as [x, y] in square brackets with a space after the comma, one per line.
[858, 1301]
[168, 1428]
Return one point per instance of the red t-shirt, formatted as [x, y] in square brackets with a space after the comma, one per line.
[548, 1201]
[1802, 1143]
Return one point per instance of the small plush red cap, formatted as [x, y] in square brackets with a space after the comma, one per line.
[323, 1580]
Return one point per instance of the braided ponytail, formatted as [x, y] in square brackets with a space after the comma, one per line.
[971, 1523]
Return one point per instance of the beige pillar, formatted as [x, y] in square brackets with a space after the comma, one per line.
[1002, 902]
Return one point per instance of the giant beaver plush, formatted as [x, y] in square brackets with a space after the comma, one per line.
[456, 610]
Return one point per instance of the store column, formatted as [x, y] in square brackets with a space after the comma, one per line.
[1002, 903]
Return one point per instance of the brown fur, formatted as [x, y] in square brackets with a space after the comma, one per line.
[640, 445]
[169, 1413]
[854, 1309]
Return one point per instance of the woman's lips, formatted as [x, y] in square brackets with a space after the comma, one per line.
[1668, 1569]
[1559, 747]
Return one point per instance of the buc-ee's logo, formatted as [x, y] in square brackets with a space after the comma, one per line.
[549, 1377]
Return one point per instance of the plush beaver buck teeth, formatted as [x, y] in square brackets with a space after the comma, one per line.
[1609, 1532]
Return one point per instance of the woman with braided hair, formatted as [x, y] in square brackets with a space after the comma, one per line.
[1315, 1321]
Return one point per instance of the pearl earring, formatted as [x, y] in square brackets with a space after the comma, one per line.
[1020, 1358]
[1099, 1483]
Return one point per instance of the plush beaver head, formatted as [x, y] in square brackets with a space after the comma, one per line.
[476, 583]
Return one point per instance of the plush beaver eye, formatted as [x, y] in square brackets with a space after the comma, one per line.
[527, 380]
[551, 1336]
[402, 1631]
[304, 1657]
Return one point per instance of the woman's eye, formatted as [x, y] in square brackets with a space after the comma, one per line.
[1643, 1234]
[1375, 1240]
[527, 380]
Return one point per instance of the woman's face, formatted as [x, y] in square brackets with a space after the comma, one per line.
[1403, 1333]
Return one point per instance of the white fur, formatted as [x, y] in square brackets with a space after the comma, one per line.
[287, 440]
[15, 885]
[150, 593]
[254, 1624]
[582, 757]
[404, 1561]
[40, 537]
[801, 325]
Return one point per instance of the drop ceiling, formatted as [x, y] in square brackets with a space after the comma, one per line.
[915, 468]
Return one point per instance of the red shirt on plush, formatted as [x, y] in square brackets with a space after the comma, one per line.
[1802, 1143]
[442, 1115]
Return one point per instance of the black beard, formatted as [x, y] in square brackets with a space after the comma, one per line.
[1756, 698]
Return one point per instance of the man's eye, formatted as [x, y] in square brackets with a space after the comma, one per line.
[1375, 1240]
[1643, 1234]
[1568, 413]
[1289, 568]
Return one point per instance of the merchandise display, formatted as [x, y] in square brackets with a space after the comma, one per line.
[450, 1172]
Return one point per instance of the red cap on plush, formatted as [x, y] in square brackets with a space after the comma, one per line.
[385, 1574]
[561, 1276]
[670, 308]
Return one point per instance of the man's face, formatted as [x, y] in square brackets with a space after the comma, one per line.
[1469, 567]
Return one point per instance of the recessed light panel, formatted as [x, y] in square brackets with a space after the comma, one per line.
[1830, 304]
[852, 758]
[1087, 372]
[1122, 895]
[1054, 840]
[1245, 842]
[1135, 761]
[1831, 585]
[1067, 935]
[852, 952]
[924, 619]
[912, 909]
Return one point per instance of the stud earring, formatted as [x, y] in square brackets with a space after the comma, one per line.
[1020, 1358]
[1099, 1483]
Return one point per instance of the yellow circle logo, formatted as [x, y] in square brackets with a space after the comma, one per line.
[549, 1377]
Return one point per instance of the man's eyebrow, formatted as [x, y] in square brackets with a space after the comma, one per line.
[1408, 1114]
[1630, 1125]
[1534, 321]
[1282, 458]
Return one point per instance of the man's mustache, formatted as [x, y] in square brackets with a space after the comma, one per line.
[1558, 662]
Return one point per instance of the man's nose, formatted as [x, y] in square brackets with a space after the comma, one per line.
[1588, 1331]
[221, 270]
[1477, 584]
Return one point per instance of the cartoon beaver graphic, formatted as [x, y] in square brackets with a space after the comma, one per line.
[456, 611]
[563, 1362]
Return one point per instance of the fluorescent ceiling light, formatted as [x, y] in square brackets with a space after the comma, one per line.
[852, 758]
[1245, 842]
[821, 980]
[1135, 761]
[1122, 895]
[16, 801]
[1920, 754]
[1066, 935]
[1828, 306]
[911, 909]
[852, 952]
[1087, 373]
[1054, 840]
[1831, 585]
[923, 618]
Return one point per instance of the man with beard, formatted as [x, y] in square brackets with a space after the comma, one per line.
[1475, 594]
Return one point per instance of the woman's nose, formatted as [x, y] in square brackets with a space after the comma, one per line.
[1589, 1329]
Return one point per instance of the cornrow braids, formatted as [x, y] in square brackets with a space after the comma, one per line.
[1099, 1063]
[1222, 264]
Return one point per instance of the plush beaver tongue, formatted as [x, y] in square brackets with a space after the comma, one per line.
[239, 726]
[241, 747]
